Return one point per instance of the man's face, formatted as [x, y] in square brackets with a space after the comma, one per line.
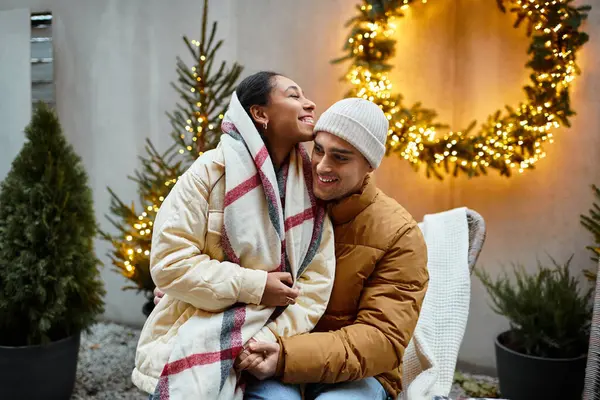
[339, 170]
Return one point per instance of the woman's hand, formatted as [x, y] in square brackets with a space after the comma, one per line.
[246, 358]
[157, 295]
[278, 290]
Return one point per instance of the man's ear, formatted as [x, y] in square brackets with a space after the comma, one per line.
[370, 169]
[259, 115]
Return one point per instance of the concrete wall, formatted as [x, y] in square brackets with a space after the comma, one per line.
[15, 86]
[115, 59]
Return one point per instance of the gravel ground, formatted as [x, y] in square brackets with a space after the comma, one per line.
[458, 393]
[106, 359]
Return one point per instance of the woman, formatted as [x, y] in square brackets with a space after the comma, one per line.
[239, 227]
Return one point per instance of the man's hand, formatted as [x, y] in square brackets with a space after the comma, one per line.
[157, 295]
[278, 291]
[262, 361]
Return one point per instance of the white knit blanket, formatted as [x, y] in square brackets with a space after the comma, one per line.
[272, 222]
[430, 358]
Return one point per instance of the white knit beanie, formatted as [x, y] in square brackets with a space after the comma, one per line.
[359, 122]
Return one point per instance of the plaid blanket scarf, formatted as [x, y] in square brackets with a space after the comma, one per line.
[271, 222]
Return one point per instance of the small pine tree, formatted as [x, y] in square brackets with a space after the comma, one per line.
[205, 93]
[130, 253]
[50, 286]
[549, 314]
[592, 223]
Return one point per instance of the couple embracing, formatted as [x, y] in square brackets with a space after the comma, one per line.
[282, 275]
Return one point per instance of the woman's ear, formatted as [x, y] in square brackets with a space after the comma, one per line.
[259, 115]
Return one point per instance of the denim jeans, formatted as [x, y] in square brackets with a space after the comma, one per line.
[368, 389]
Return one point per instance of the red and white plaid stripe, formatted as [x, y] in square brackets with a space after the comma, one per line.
[258, 233]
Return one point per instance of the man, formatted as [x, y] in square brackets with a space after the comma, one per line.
[356, 349]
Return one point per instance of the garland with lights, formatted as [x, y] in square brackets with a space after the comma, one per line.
[510, 139]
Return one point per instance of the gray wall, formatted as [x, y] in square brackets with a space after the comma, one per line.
[15, 86]
[114, 61]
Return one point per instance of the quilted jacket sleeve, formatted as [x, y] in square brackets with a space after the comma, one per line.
[177, 263]
[389, 307]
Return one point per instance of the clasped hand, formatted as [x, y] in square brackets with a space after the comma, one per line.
[259, 358]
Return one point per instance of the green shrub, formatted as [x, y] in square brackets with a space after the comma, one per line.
[50, 286]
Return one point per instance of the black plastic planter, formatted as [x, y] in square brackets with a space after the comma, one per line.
[39, 372]
[524, 377]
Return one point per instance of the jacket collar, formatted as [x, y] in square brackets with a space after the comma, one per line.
[346, 209]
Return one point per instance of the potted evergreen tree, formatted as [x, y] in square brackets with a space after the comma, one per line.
[543, 354]
[50, 286]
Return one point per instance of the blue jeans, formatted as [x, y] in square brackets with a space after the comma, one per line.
[367, 389]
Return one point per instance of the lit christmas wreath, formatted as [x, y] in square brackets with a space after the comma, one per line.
[511, 139]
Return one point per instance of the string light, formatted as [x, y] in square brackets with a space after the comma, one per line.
[138, 256]
[507, 141]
